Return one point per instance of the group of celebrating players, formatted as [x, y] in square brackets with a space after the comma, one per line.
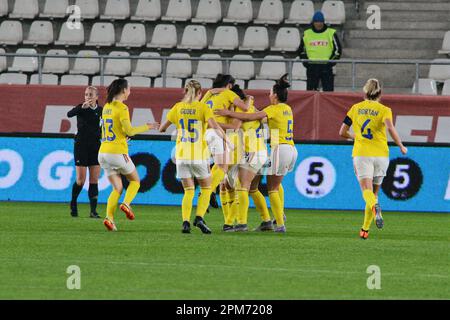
[225, 125]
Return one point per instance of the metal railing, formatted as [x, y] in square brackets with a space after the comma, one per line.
[289, 62]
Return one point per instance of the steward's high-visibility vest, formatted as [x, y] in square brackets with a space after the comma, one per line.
[319, 46]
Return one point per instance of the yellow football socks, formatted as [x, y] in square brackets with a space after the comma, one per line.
[111, 206]
[368, 217]
[234, 207]
[243, 205]
[186, 205]
[260, 204]
[277, 209]
[217, 175]
[203, 201]
[224, 200]
[369, 198]
[132, 191]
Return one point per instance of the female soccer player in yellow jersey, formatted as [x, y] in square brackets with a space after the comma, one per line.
[191, 118]
[220, 97]
[370, 119]
[283, 152]
[113, 154]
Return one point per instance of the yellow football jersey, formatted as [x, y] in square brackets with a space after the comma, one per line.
[281, 124]
[191, 121]
[253, 135]
[116, 126]
[222, 100]
[370, 131]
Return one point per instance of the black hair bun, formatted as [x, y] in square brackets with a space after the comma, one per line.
[283, 81]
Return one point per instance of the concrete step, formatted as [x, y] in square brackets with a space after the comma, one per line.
[357, 53]
[409, 5]
[388, 15]
[401, 25]
[395, 34]
[404, 44]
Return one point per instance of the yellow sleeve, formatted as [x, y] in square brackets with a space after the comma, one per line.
[231, 96]
[130, 131]
[206, 97]
[270, 111]
[172, 115]
[207, 113]
[387, 114]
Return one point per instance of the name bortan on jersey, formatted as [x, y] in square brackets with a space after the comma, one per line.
[191, 121]
[368, 120]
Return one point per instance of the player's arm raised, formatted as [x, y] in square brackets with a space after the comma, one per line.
[240, 115]
[132, 131]
[394, 134]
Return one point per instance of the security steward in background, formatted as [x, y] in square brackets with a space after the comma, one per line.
[87, 144]
[320, 43]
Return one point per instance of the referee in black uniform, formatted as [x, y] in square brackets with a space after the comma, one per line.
[87, 144]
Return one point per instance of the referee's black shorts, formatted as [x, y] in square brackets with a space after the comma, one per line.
[86, 154]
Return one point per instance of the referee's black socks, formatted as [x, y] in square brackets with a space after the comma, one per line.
[93, 196]
[76, 189]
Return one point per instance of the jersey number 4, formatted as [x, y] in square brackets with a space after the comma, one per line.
[367, 135]
[108, 133]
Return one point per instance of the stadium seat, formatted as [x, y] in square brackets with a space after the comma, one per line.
[54, 9]
[147, 67]
[208, 69]
[334, 12]
[102, 35]
[56, 65]
[170, 83]
[446, 88]
[270, 12]
[147, 10]
[441, 72]
[298, 71]
[3, 8]
[298, 85]
[25, 9]
[24, 64]
[96, 81]
[194, 38]
[49, 79]
[255, 39]
[208, 11]
[13, 78]
[41, 33]
[445, 44]
[204, 82]
[426, 87]
[287, 40]
[3, 62]
[89, 8]
[179, 68]
[272, 70]
[143, 82]
[261, 84]
[69, 37]
[225, 38]
[164, 36]
[239, 11]
[86, 65]
[133, 35]
[178, 10]
[11, 32]
[242, 69]
[116, 10]
[74, 80]
[118, 67]
[301, 12]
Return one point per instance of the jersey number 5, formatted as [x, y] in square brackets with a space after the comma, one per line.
[367, 135]
[108, 134]
[289, 130]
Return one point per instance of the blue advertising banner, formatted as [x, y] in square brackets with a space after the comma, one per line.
[42, 169]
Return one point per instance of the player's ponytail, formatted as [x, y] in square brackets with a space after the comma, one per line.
[280, 88]
[372, 89]
[238, 90]
[191, 91]
[115, 88]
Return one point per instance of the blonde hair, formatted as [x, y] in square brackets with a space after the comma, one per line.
[191, 90]
[372, 89]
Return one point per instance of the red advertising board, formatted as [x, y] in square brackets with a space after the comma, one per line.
[318, 116]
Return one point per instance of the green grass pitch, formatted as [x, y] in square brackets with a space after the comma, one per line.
[321, 256]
